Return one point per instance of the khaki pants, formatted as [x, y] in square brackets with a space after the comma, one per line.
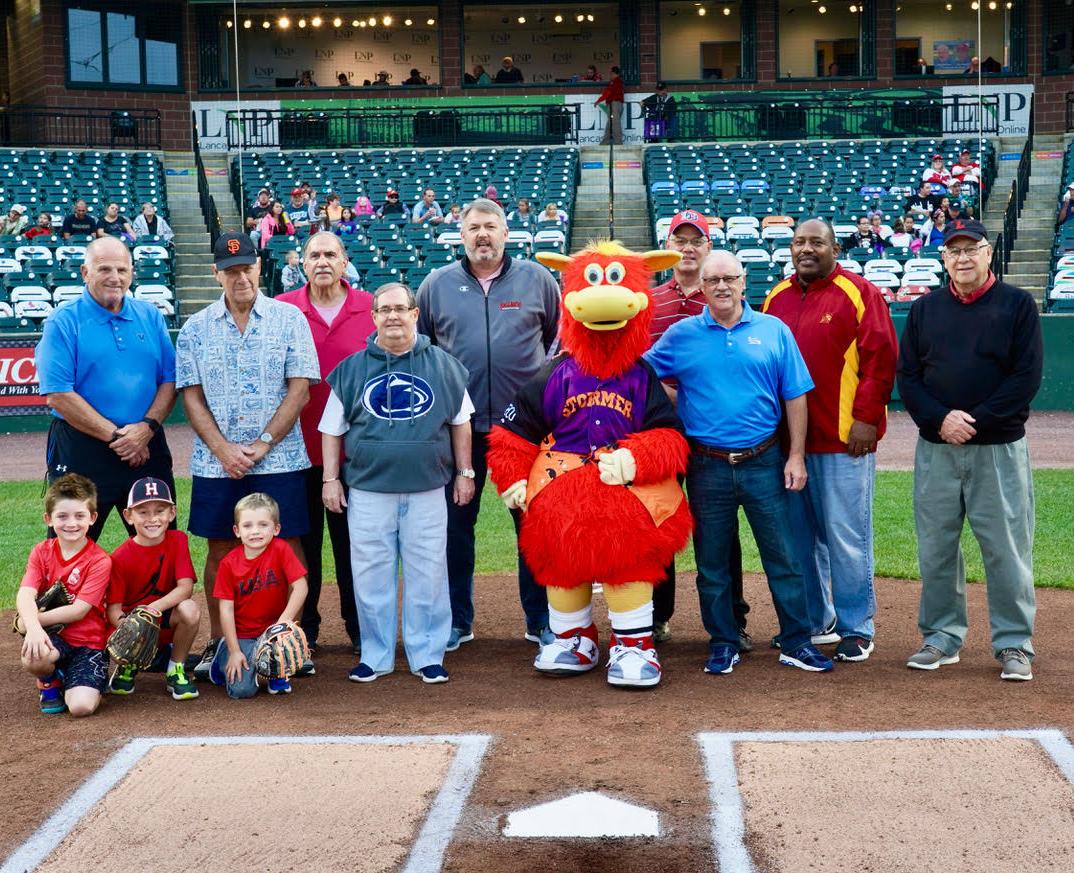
[613, 130]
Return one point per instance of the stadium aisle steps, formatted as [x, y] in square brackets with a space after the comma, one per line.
[591, 207]
[192, 277]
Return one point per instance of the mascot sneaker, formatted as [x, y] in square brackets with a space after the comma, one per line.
[567, 655]
[633, 666]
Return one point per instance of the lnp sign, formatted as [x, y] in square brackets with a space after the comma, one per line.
[1013, 111]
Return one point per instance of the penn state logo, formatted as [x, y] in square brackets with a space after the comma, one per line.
[410, 396]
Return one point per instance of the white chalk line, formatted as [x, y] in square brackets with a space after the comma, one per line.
[426, 856]
[728, 816]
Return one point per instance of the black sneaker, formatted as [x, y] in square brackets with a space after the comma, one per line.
[854, 649]
[201, 671]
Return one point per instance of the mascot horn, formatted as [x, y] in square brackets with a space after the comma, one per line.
[591, 450]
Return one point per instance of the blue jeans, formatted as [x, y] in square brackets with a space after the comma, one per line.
[460, 554]
[832, 526]
[387, 530]
[716, 489]
[247, 684]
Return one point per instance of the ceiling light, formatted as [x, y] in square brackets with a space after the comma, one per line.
[337, 22]
[975, 5]
[283, 23]
[853, 9]
[356, 22]
[522, 19]
[589, 17]
[579, 17]
[386, 21]
[363, 25]
[317, 21]
[701, 11]
[302, 22]
[1010, 5]
[372, 21]
[230, 24]
[947, 6]
[430, 21]
[992, 5]
[247, 24]
[727, 10]
[822, 9]
[408, 21]
[559, 19]
[266, 24]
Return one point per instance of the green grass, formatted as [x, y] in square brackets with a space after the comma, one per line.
[893, 524]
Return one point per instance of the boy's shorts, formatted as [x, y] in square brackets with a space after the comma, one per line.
[248, 682]
[212, 503]
[81, 665]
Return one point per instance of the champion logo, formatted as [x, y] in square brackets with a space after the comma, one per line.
[398, 396]
[464, 288]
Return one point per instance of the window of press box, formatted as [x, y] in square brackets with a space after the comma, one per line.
[546, 43]
[940, 37]
[1059, 37]
[701, 41]
[123, 46]
[820, 40]
[319, 47]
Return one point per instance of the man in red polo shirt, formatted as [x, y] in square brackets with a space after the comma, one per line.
[678, 298]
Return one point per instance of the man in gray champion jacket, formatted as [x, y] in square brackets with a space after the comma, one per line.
[499, 317]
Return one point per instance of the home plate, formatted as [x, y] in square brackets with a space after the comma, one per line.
[586, 814]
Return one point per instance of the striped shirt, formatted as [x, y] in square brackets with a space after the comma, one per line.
[671, 304]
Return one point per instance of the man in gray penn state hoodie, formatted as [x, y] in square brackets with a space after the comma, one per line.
[499, 316]
[402, 409]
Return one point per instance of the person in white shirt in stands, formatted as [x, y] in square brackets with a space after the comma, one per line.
[936, 173]
[966, 169]
[903, 233]
[151, 224]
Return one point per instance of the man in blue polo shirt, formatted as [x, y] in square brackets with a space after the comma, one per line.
[107, 368]
[736, 369]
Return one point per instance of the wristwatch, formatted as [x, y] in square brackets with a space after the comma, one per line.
[266, 438]
[468, 473]
[154, 425]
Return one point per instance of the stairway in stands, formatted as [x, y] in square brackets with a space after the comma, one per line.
[194, 281]
[590, 219]
[1031, 256]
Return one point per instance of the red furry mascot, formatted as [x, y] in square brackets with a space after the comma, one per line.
[590, 450]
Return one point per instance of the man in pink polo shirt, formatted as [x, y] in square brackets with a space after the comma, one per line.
[341, 320]
[678, 298]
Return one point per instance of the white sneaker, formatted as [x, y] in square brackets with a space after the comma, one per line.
[827, 637]
[566, 655]
[633, 667]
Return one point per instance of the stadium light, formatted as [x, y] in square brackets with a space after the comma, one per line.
[302, 23]
[408, 21]
[317, 21]
[283, 22]
[372, 21]
[356, 23]
[266, 24]
[822, 9]
[727, 10]
[590, 17]
[559, 19]
[522, 19]
[230, 24]
[701, 11]
[337, 22]
[430, 21]
[975, 5]
[247, 24]
[992, 5]
[386, 21]
[579, 17]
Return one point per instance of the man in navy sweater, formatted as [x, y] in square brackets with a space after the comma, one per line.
[969, 364]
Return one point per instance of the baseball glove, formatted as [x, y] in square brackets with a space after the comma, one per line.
[280, 651]
[134, 642]
[54, 596]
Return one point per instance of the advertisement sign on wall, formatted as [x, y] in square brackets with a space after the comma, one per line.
[952, 55]
[1014, 103]
[18, 376]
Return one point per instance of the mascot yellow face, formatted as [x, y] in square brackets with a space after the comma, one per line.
[605, 285]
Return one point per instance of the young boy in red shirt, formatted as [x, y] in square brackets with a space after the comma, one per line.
[153, 568]
[259, 583]
[70, 663]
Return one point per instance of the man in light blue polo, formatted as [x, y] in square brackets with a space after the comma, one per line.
[107, 367]
[736, 370]
[427, 210]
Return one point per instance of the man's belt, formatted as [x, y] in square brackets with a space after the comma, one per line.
[733, 456]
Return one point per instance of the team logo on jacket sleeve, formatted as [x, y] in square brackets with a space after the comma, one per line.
[397, 396]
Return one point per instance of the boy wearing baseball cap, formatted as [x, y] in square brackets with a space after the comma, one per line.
[153, 568]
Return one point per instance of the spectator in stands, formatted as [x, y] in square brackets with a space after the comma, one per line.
[932, 231]
[508, 74]
[613, 98]
[454, 215]
[923, 202]
[1066, 210]
[333, 208]
[323, 223]
[427, 210]
[921, 68]
[344, 82]
[864, 238]
[391, 206]
[659, 111]
[363, 206]
[492, 194]
[306, 80]
[107, 368]
[954, 211]
[591, 74]
[876, 223]
[521, 212]
[247, 437]
[552, 213]
[970, 364]
[416, 78]
[347, 225]
[291, 277]
[969, 201]
[678, 298]
[974, 68]
[148, 223]
[902, 234]
[114, 224]
[340, 319]
[502, 352]
[383, 79]
[833, 69]
[478, 77]
[275, 221]
[297, 208]
[79, 222]
[256, 212]
[313, 206]
[936, 173]
[15, 222]
[966, 169]
[42, 228]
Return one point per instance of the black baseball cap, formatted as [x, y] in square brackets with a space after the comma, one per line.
[961, 227]
[147, 489]
[233, 248]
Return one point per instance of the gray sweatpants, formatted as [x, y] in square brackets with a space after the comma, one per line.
[992, 486]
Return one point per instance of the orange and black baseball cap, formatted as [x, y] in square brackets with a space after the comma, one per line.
[232, 249]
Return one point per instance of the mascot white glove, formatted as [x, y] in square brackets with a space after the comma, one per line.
[617, 468]
[514, 496]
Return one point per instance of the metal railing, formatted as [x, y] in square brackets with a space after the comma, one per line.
[205, 199]
[1017, 198]
[832, 116]
[1070, 110]
[24, 126]
[402, 126]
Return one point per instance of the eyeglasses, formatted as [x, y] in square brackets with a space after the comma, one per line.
[968, 252]
[393, 310]
[698, 242]
[716, 281]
